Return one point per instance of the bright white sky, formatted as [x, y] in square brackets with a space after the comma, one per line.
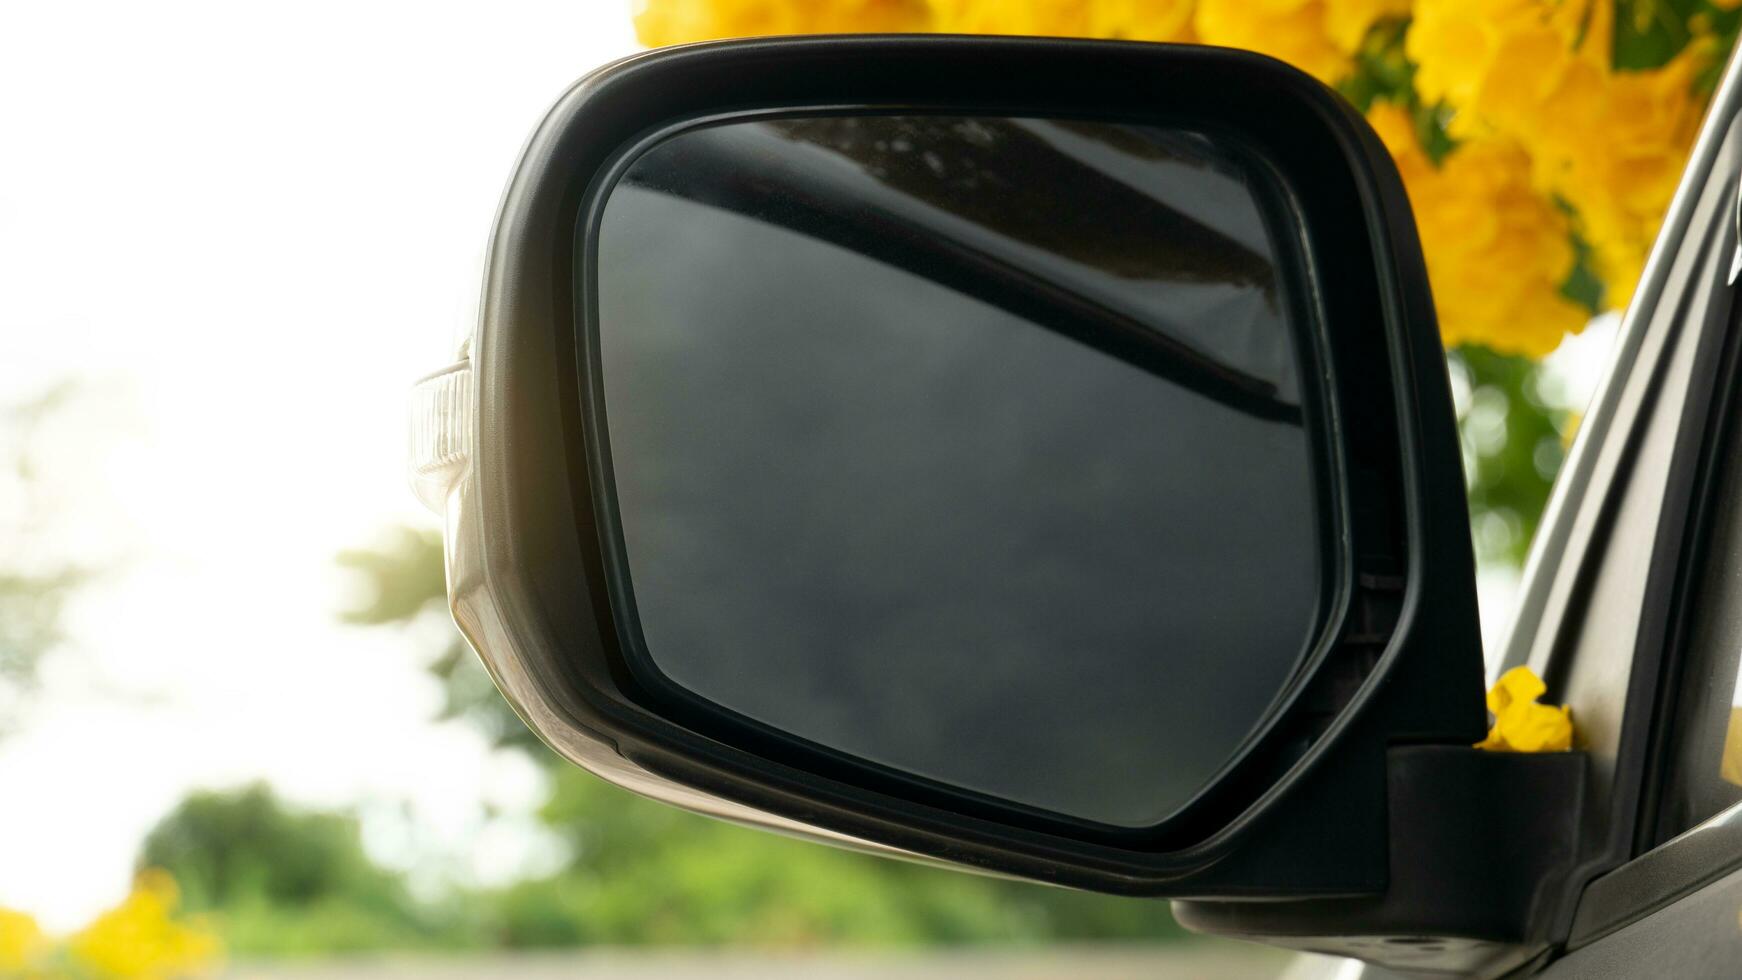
[246, 230]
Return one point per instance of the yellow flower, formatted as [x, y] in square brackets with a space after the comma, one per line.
[659, 22]
[1610, 144]
[1348, 21]
[1455, 43]
[1522, 725]
[1288, 30]
[1620, 185]
[1137, 20]
[1319, 37]
[1497, 250]
[22, 942]
[1141, 20]
[1396, 129]
[141, 940]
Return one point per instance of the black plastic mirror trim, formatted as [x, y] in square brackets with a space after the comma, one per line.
[1407, 668]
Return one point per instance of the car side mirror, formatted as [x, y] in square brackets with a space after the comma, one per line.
[1033, 456]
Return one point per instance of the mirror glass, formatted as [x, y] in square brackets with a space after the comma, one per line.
[969, 447]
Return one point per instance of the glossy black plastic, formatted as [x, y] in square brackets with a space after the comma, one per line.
[1304, 813]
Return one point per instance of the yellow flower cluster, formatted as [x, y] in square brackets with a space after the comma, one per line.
[1133, 20]
[1546, 126]
[660, 22]
[1610, 144]
[1522, 725]
[1320, 37]
[140, 939]
[1497, 251]
[23, 944]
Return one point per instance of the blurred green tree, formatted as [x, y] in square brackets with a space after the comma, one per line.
[287, 881]
[1514, 441]
[228, 847]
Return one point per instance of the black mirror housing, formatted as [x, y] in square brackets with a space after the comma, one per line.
[1308, 808]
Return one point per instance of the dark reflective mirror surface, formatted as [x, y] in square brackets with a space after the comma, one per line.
[969, 447]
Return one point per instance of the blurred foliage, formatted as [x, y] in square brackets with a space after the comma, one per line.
[280, 881]
[1514, 440]
[30, 615]
[34, 587]
[643, 872]
[403, 571]
[145, 937]
[403, 577]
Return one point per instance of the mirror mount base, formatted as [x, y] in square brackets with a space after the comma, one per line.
[1476, 840]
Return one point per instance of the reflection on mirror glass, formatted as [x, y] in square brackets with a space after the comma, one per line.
[969, 447]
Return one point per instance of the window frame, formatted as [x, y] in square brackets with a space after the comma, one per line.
[1674, 374]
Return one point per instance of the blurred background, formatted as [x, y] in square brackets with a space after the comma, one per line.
[238, 733]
